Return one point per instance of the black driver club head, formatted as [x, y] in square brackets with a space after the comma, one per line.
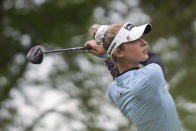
[35, 55]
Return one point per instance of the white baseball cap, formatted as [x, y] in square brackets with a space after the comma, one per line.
[128, 33]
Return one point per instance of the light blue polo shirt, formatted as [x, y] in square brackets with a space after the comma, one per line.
[141, 97]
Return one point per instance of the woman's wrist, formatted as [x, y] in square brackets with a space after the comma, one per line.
[105, 57]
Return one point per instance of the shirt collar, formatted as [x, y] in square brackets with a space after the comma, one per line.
[125, 74]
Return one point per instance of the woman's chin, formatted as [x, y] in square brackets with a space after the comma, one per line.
[145, 57]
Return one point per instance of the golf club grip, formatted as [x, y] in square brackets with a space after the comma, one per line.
[69, 49]
[86, 47]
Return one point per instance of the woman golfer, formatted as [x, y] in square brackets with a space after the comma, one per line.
[138, 92]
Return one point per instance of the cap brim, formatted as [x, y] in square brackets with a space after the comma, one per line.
[138, 31]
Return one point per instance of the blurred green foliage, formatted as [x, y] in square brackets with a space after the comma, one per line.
[55, 23]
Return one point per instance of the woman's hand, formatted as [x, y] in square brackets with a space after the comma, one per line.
[95, 48]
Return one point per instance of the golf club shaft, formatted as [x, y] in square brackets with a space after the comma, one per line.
[69, 49]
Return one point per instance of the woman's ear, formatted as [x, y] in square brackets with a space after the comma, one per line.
[118, 53]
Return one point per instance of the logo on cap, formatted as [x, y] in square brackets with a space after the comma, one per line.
[128, 27]
[128, 37]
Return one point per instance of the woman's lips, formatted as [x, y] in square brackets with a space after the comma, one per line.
[145, 51]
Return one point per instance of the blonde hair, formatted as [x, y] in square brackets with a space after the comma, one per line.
[109, 34]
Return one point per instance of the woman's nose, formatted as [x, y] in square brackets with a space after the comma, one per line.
[143, 42]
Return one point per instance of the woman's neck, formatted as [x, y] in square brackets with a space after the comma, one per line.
[126, 66]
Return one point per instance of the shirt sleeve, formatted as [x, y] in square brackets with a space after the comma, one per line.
[109, 93]
[150, 79]
[154, 75]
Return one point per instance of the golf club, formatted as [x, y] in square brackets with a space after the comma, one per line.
[35, 54]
